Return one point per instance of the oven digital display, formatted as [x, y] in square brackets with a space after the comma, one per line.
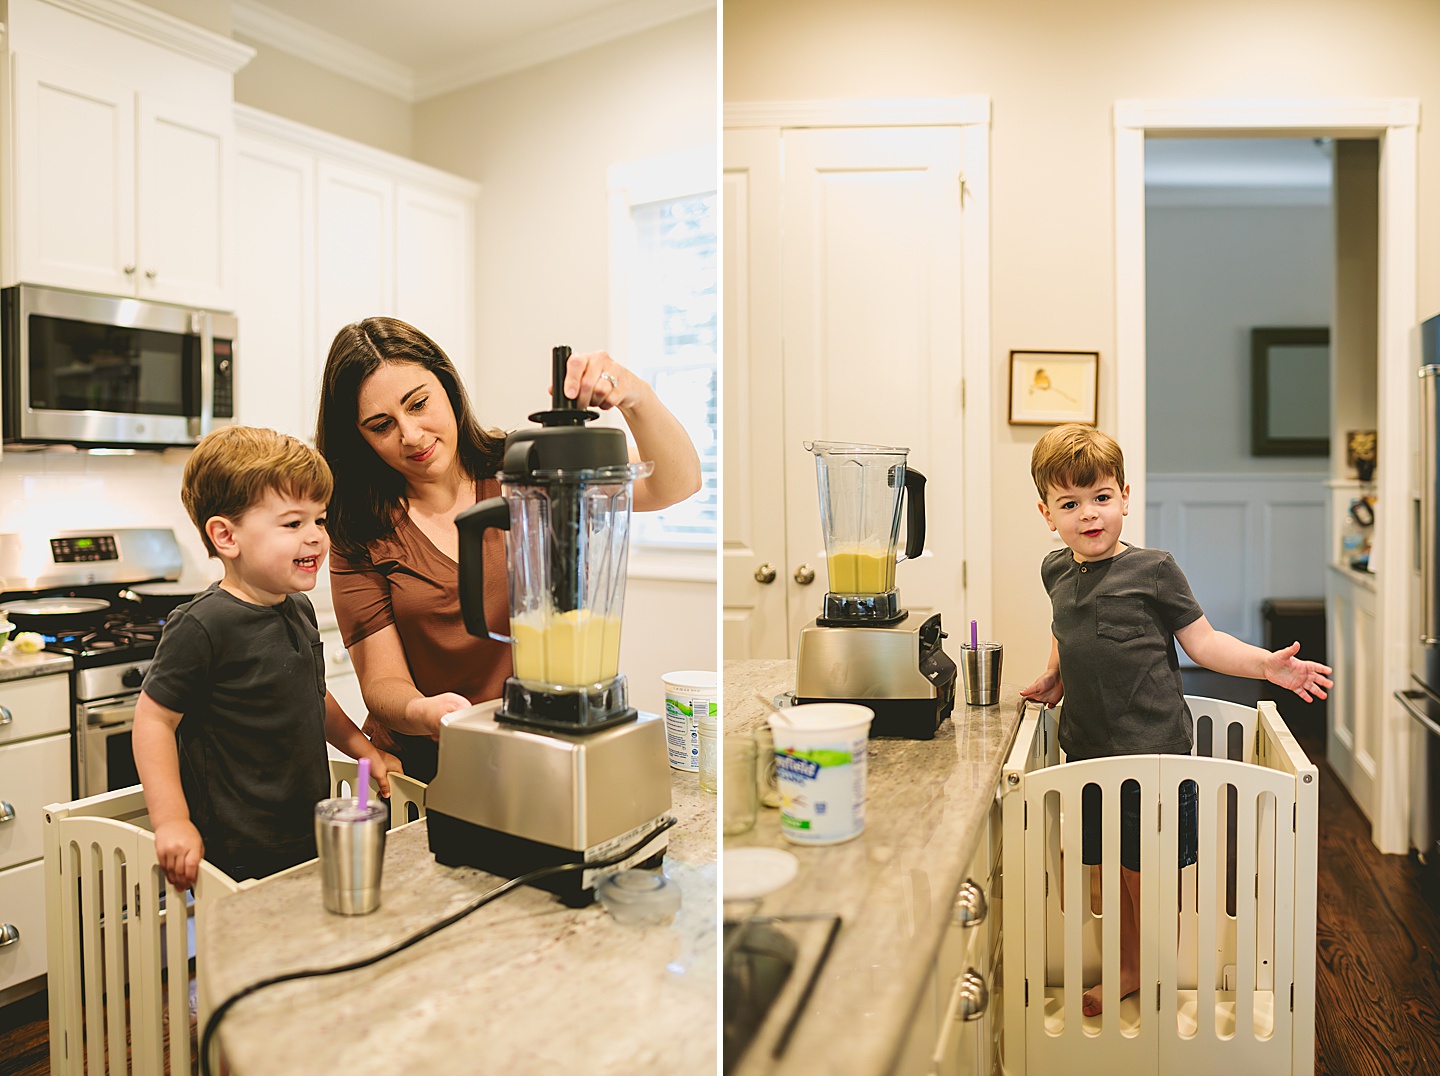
[75, 550]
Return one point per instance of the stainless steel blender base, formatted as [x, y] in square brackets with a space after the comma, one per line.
[899, 671]
[504, 794]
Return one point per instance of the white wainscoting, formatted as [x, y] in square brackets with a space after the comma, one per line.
[1241, 539]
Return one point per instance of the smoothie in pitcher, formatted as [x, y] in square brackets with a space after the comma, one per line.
[856, 570]
[572, 649]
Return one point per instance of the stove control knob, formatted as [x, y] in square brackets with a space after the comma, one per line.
[133, 677]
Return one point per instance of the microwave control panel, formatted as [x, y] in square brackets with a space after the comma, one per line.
[76, 550]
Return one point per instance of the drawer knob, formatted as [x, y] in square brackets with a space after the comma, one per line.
[5, 715]
[970, 905]
[9, 934]
[7, 812]
[974, 996]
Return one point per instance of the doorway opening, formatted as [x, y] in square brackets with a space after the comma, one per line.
[1241, 249]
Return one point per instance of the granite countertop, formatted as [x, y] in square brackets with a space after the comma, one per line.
[893, 886]
[17, 666]
[522, 985]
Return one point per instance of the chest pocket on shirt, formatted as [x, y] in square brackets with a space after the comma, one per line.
[317, 652]
[1121, 619]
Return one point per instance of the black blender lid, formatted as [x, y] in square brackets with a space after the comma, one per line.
[562, 444]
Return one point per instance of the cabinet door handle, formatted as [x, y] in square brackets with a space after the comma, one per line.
[974, 995]
[804, 575]
[130, 270]
[149, 274]
[7, 812]
[765, 574]
[5, 715]
[9, 934]
[970, 905]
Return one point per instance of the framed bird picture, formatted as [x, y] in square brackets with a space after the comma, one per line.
[1051, 387]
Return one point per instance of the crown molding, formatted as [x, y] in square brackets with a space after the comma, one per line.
[874, 112]
[273, 28]
[323, 49]
[609, 24]
[308, 139]
[177, 35]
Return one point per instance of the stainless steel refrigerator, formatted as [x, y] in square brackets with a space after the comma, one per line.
[1422, 701]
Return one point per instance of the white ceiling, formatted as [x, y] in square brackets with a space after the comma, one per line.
[416, 49]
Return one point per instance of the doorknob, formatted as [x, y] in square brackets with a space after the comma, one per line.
[804, 575]
[765, 574]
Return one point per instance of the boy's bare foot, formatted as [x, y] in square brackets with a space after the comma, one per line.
[1090, 1003]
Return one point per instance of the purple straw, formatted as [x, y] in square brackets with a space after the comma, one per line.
[974, 637]
[362, 785]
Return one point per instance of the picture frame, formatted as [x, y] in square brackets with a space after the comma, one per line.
[1051, 387]
[1289, 392]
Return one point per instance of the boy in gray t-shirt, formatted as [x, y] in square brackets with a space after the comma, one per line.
[1117, 612]
[233, 718]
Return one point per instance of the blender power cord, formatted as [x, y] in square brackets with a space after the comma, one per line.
[474, 906]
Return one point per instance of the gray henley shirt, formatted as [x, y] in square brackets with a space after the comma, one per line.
[1115, 622]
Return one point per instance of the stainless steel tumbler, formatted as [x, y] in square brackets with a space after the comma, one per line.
[351, 844]
[982, 673]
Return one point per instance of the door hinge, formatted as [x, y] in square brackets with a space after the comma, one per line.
[1292, 997]
[1157, 996]
[1294, 815]
[1027, 993]
[961, 177]
[962, 394]
[964, 574]
[1026, 823]
[1047, 883]
[1159, 816]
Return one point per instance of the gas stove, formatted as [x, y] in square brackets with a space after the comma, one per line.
[110, 645]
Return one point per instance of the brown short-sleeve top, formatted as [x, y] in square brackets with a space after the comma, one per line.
[407, 582]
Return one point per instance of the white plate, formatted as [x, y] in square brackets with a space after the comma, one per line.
[751, 873]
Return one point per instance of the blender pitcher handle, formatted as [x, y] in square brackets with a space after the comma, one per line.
[472, 525]
[914, 514]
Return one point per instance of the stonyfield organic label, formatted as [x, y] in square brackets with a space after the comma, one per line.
[822, 791]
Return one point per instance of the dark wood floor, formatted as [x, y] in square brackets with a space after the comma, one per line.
[1377, 976]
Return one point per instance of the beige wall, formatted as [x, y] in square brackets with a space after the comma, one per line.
[1053, 70]
[289, 86]
[540, 143]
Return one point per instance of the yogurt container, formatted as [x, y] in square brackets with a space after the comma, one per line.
[688, 695]
[820, 755]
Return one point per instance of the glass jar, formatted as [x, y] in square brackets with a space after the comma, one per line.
[740, 801]
[708, 731]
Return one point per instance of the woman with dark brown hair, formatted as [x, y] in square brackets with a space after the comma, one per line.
[408, 456]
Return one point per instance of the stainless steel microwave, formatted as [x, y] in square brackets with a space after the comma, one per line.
[96, 370]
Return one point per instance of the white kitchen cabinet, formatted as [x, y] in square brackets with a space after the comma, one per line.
[120, 143]
[334, 232]
[939, 1042]
[34, 772]
[276, 286]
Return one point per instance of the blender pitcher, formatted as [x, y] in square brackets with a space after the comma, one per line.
[861, 488]
[565, 499]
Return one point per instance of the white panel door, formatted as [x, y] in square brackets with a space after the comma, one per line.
[75, 175]
[871, 294]
[356, 251]
[185, 209]
[755, 621]
[279, 362]
[434, 272]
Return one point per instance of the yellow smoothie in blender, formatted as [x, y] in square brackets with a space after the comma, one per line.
[855, 570]
[573, 648]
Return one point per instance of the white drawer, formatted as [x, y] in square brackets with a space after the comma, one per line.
[22, 906]
[32, 774]
[36, 707]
